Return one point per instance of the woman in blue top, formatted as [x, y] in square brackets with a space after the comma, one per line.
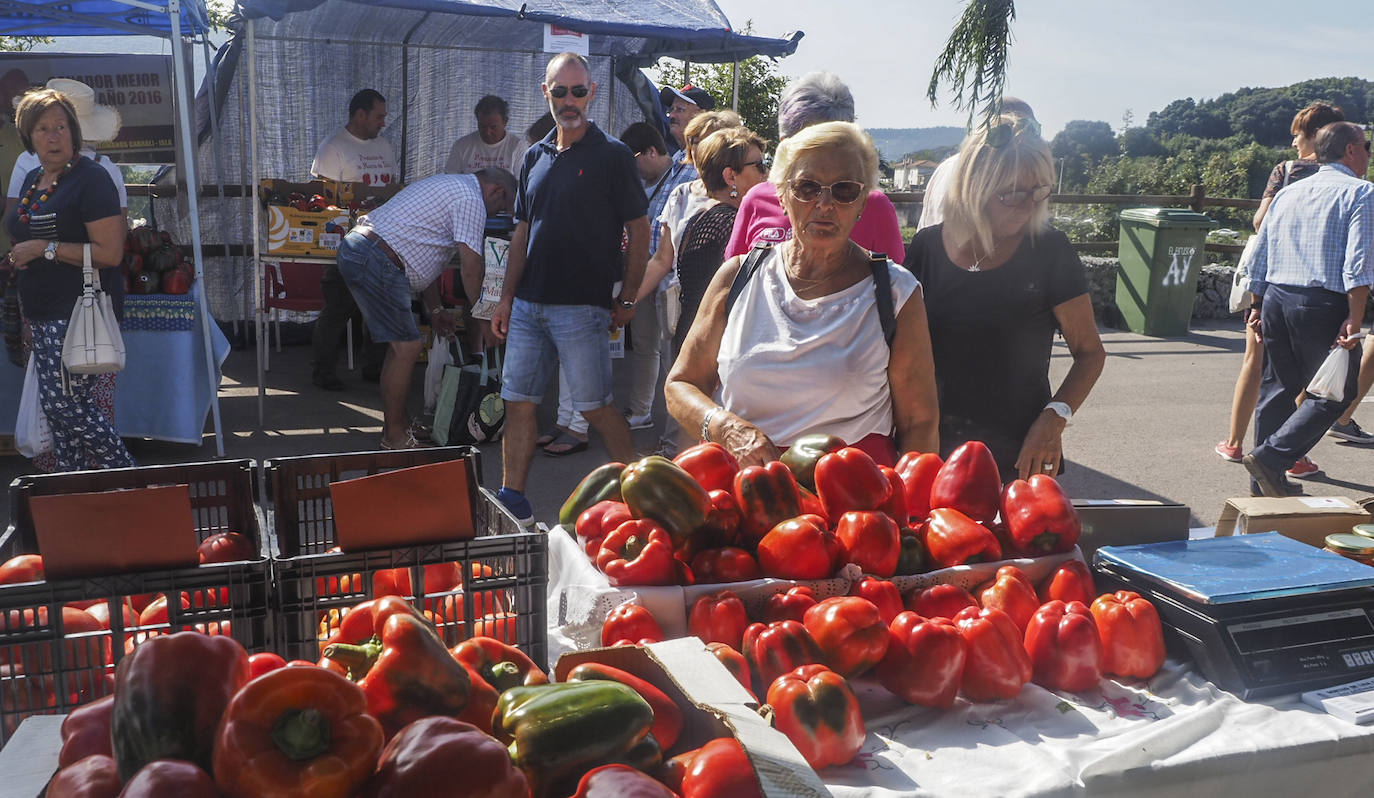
[67, 203]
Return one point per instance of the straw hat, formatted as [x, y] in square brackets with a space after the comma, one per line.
[98, 122]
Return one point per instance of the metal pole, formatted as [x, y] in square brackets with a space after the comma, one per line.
[181, 83]
[734, 97]
[257, 209]
[219, 154]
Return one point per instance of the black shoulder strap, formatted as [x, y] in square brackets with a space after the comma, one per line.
[882, 289]
[745, 274]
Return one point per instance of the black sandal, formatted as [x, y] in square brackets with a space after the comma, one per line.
[574, 444]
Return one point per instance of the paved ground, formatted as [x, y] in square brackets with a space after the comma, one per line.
[1147, 431]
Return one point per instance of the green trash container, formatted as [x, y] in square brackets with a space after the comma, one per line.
[1161, 253]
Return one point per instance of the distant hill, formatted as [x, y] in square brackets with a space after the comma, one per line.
[894, 142]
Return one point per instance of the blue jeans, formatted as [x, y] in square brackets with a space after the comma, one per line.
[380, 287]
[1299, 326]
[543, 336]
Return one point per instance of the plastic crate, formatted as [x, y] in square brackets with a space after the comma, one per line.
[42, 669]
[503, 571]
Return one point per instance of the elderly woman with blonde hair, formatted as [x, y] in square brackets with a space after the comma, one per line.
[815, 334]
[999, 282]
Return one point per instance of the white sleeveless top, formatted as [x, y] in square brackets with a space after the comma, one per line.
[794, 366]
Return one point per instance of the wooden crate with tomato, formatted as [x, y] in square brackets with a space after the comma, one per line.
[60, 639]
[492, 584]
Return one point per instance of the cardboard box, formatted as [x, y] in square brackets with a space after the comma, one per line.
[1124, 522]
[291, 232]
[693, 677]
[1306, 518]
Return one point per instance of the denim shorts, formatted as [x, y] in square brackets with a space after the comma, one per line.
[573, 337]
[380, 287]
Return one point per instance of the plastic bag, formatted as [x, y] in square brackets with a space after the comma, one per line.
[1329, 381]
[1241, 298]
[440, 355]
[32, 435]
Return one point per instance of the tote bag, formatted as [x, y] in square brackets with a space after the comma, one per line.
[470, 409]
[32, 435]
[93, 344]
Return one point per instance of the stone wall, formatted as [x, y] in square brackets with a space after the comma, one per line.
[1213, 290]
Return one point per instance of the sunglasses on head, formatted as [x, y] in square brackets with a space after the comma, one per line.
[1019, 196]
[843, 192]
[1001, 134]
[559, 92]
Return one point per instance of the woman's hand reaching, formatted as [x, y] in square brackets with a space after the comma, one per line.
[744, 440]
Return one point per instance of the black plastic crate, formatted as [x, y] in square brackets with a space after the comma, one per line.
[503, 572]
[45, 666]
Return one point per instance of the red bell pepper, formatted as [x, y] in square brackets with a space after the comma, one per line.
[638, 552]
[811, 504]
[620, 781]
[92, 777]
[1071, 581]
[425, 759]
[226, 547]
[767, 496]
[86, 731]
[598, 521]
[918, 475]
[884, 595]
[969, 482]
[776, 648]
[997, 665]
[718, 618]
[728, 564]
[1011, 592]
[850, 480]
[722, 527]
[800, 548]
[790, 605]
[850, 632]
[871, 541]
[895, 505]
[734, 662]
[667, 725]
[674, 769]
[265, 662]
[924, 660]
[721, 769]
[710, 464]
[819, 713]
[170, 777]
[801, 457]
[1132, 637]
[953, 538]
[940, 601]
[1040, 519]
[630, 624]
[1065, 651]
[493, 667]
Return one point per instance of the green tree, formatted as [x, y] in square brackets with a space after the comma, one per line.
[974, 61]
[760, 85]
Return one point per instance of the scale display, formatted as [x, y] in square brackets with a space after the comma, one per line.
[1259, 614]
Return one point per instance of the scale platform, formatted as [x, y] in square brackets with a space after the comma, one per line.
[1260, 615]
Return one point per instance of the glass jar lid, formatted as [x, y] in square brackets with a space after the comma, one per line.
[1347, 543]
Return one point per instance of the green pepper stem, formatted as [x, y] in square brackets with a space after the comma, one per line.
[358, 659]
[505, 675]
[301, 734]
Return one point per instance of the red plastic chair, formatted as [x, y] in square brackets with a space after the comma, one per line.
[294, 286]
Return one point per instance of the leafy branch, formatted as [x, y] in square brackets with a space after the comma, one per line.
[974, 61]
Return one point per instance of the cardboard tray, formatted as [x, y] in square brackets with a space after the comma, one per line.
[715, 705]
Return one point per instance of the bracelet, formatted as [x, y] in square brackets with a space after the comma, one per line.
[706, 422]
[436, 311]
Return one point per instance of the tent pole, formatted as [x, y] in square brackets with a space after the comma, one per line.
[257, 210]
[212, 73]
[734, 95]
[181, 82]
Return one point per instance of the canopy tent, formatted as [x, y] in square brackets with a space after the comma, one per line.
[432, 60]
[174, 20]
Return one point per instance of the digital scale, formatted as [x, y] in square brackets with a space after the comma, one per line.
[1260, 615]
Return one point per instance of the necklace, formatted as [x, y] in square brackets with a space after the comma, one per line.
[28, 205]
[978, 262]
[806, 283]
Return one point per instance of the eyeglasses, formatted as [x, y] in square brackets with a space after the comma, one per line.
[559, 92]
[843, 192]
[1000, 134]
[1366, 146]
[758, 163]
[1018, 197]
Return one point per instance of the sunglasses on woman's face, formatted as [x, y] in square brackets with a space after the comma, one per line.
[843, 192]
[1019, 197]
[559, 92]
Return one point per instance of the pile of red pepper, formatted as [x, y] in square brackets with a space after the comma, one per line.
[702, 519]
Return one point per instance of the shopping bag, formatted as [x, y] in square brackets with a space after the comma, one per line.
[1329, 381]
[1240, 279]
[440, 355]
[469, 408]
[494, 251]
[32, 435]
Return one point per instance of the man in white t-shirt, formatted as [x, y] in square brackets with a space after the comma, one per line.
[489, 145]
[357, 153]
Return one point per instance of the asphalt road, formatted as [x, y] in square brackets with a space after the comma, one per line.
[1147, 430]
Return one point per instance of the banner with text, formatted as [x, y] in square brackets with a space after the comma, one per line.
[139, 87]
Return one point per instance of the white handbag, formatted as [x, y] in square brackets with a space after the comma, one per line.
[93, 344]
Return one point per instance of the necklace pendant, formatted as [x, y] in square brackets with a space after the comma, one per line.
[975, 267]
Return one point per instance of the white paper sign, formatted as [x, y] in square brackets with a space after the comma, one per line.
[558, 39]
[494, 252]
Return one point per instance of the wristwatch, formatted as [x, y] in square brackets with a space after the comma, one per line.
[625, 303]
[1062, 410]
[50, 251]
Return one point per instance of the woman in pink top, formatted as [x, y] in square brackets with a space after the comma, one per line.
[816, 97]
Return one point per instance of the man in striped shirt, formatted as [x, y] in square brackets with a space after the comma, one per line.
[1311, 280]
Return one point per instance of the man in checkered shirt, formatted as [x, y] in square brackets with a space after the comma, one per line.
[399, 250]
[1311, 278]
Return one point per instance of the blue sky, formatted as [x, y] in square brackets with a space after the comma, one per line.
[1072, 59]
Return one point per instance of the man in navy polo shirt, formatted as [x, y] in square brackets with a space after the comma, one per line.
[579, 190]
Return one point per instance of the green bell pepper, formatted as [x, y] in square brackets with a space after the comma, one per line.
[601, 484]
[657, 488]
